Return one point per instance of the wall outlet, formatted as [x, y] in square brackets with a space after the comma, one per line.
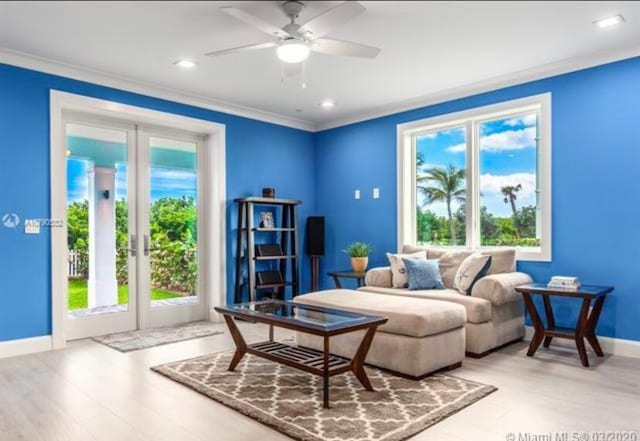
[356, 194]
[376, 193]
[31, 226]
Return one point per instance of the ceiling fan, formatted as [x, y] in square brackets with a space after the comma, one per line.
[294, 42]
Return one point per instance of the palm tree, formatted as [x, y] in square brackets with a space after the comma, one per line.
[444, 185]
[510, 196]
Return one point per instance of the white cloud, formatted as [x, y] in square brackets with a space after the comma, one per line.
[519, 139]
[431, 135]
[491, 184]
[503, 141]
[527, 120]
[509, 140]
[458, 148]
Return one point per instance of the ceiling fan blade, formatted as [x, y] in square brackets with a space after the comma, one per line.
[331, 19]
[254, 21]
[343, 48]
[249, 47]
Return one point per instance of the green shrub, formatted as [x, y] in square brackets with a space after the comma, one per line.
[358, 249]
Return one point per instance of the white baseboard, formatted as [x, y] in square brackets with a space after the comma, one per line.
[613, 346]
[23, 346]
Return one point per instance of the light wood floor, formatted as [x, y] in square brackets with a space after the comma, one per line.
[91, 392]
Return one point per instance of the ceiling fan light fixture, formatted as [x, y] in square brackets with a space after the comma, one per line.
[293, 51]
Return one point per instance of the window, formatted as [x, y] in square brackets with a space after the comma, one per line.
[479, 178]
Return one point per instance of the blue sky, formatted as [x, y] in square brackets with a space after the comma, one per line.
[507, 157]
[164, 182]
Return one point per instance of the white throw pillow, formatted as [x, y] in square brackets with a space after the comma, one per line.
[470, 271]
[399, 276]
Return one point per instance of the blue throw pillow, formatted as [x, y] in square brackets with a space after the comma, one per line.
[423, 274]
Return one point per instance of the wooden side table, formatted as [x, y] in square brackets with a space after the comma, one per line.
[347, 274]
[587, 319]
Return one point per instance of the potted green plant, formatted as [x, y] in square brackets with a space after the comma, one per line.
[359, 253]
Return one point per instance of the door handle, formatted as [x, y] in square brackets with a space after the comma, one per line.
[145, 237]
[134, 246]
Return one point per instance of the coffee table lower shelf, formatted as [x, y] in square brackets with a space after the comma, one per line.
[306, 359]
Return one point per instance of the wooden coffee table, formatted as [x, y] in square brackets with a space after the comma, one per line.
[324, 322]
[587, 319]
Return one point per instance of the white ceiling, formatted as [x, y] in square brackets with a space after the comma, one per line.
[428, 49]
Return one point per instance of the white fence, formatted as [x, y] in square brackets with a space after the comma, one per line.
[76, 260]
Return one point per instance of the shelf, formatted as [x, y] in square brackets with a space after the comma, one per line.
[274, 285]
[268, 201]
[272, 257]
[280, 255]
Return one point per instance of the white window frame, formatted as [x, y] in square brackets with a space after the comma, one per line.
[406, 173]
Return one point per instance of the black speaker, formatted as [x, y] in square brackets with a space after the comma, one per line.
[315, 235]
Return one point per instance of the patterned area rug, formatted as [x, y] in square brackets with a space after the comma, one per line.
[290, 401]
[148, 338]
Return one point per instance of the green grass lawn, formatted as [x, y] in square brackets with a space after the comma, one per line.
[78, 293]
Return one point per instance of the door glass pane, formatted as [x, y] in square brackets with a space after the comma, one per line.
[441, 185]
[173, 229]
[510, 210]
[97, 214]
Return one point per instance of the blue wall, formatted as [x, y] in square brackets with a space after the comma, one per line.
[596, 202]
[258, 155]
[596, 185]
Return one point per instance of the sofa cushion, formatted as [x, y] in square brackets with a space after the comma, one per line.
[399, 276]
[449, 262]
[470, 270]
[407, 316]
[478, 309]
[380, 276]
[423, 274]
[503, 260]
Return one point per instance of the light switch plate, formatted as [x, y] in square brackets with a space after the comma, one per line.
[31, 226]
[356, 194]
[376, 193]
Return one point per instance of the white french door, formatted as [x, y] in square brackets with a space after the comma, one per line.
[133, 215]
[170, 218]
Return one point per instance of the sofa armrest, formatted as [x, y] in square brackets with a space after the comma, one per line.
[380, 277]
[500, 288]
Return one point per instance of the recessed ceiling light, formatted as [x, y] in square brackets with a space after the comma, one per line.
[185, 64]
[327, 104]
[609, 21]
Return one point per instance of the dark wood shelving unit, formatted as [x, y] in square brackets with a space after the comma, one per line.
[286, 235]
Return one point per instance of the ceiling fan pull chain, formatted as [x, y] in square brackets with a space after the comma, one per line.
[304, 74]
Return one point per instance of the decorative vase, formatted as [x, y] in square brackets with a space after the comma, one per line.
[359, 264]
[269, 192]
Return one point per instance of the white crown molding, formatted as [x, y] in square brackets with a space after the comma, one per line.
[19, 59]
[41, 64]
[495, 83]
[613, 346]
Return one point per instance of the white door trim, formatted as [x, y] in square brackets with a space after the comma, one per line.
[214, 227]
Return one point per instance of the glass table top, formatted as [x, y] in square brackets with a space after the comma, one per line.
[300, 314]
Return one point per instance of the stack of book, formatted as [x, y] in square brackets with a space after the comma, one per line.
[564, 282]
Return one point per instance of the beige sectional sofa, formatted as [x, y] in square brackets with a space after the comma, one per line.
[494, 310]
[420, 337]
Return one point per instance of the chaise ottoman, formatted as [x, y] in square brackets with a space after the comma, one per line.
[421, 336]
